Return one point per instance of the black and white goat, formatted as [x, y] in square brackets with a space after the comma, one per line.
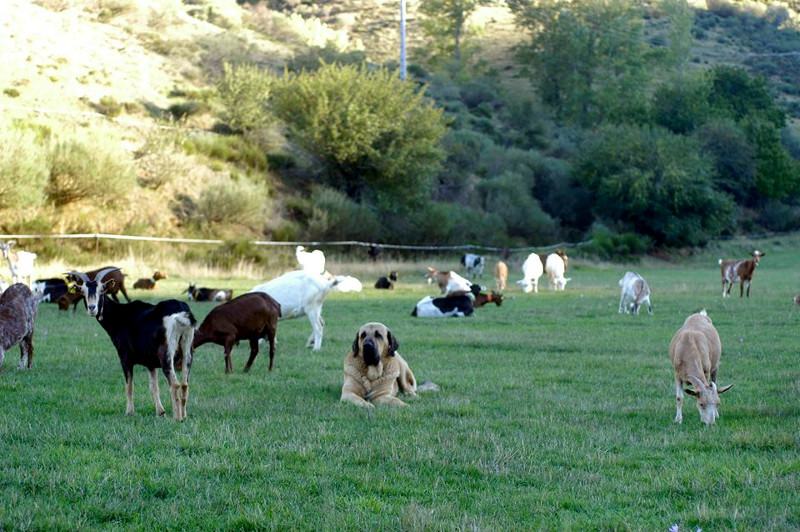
[49, 290]
[153, 336]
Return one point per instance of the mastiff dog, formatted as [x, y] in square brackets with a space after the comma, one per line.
[374, 371]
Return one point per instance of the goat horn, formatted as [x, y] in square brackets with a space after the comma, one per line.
[102, 273]
[80, 275]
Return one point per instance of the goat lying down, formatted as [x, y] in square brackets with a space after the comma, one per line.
[153, 336]
[18, 308]
[443, 307]
[695, 351]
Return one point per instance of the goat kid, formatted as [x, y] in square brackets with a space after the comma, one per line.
[635, 292]
[695, 351]
[20, 263]
[740, 271]
[153, 336]
[150, 284]
[251, 317]
[18, 307]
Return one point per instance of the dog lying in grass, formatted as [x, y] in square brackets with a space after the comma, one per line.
[374, 371]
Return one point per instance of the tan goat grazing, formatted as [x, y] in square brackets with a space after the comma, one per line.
[500, 276]
[695, 351]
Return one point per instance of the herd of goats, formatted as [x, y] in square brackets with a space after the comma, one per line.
[164, 335]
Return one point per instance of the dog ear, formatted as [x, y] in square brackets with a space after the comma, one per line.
[355, 349]
[392, 343]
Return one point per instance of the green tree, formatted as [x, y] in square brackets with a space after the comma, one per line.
[588, 58]
[682, 105]
[446, 22]
[655, 183]
[377, 137]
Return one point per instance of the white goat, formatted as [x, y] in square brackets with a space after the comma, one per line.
[20, 263]
[311, 261]
[301, 293]
[532, 269]
[635, 293]
[695, 351]
[474, 264]
[555, 268]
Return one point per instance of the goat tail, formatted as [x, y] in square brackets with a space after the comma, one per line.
[179, 331]
[719, 262]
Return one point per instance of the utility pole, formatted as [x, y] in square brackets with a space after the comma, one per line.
[402, 39]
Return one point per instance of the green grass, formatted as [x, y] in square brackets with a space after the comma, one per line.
[555, 413]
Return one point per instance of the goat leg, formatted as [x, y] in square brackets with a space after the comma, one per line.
[154, 390]
[253, 354]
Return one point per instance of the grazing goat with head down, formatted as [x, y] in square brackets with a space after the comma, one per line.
[20, 263]
[695, 351]
[17, 315]
[153, 336]
[635, 292]
[250, 317]
[738, 271]
[474, 264]
[532, 269]
[500, 276]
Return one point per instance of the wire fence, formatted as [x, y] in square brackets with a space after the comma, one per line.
[97, 237]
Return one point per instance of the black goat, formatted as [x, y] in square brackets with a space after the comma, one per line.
[386, 283]
[50, 289]
[152, 336]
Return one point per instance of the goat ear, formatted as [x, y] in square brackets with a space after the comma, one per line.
[354, 348]
[393, 345]
[724, 389]
[108, 285]
[691, 392]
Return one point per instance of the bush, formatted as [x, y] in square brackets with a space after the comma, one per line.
[609, 245]
[244, 91]
[23, 168]
[94, 168]
[109, 106]
[377, 136]
[509, 197]
[336, 217]
[229, 201]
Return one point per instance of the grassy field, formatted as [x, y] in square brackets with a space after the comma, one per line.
[555, 413]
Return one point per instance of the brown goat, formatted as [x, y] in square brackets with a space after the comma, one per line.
[492, 297]
[117, 286]
[740, 271]
[150, 284]
[18, 308]
[251, 316]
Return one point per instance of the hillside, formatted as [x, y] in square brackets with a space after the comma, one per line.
[132, 67]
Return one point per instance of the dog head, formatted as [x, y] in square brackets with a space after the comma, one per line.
[374, 343]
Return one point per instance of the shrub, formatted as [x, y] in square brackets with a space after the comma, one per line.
[160, 158]
[336, 217]
[609, 245]
[23, 168]
[228, 201]
[109, 106]
[244, 91]
[11, 92]
[92, 168]
[509, 197]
